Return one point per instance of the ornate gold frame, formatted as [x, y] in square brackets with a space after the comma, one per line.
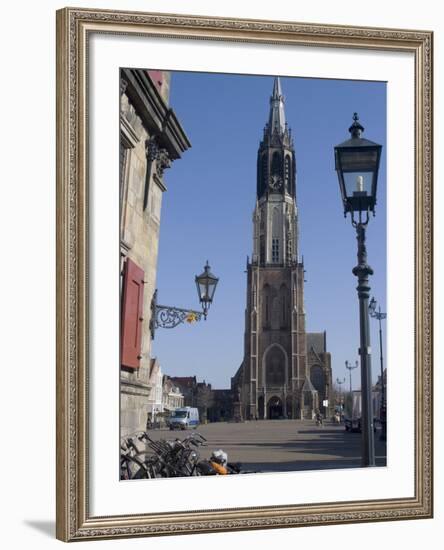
[73, 519]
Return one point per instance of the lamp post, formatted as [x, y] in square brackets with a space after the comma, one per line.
[379, 315]
[357, 165]
[340, 382]
[350, 367]
[170, 316]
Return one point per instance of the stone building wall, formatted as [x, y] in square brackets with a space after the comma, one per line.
[137, 228]
[151, 138]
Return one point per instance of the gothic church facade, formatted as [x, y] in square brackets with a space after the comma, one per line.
[283, 375]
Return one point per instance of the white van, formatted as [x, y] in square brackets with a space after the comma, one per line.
[183, 418]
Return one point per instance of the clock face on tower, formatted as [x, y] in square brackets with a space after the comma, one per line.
[275, 182]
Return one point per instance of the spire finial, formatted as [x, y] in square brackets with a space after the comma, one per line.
[356, 128]
[277, 92]
[277, 115]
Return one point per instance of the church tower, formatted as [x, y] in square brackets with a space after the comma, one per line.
[274, 378]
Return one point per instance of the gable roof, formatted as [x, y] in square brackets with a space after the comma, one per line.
[308, 386]
[317, 341]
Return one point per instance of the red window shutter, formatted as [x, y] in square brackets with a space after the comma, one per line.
[132, 315]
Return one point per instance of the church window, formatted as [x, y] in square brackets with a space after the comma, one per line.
[264, 171]
[287, 172]
[317, 378]
[275, 251]
[275, 367]
[276, 164]
[262, 249]
[266, 293]
[283, 294]
[289, 250]
[308, 399]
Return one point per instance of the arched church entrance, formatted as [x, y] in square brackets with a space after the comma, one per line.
[275, 408]
[275, 363]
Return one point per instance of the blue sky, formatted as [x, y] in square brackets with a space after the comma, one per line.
[207, 214]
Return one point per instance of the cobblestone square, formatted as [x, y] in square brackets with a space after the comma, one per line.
[283, 445]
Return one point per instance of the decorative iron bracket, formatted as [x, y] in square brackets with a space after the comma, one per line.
[169, 316]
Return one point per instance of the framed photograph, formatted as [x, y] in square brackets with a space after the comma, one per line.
[244, 274]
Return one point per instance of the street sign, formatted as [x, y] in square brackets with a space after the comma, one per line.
[325, 403]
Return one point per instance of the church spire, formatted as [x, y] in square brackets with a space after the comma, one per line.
[276, 164]
[276, 121]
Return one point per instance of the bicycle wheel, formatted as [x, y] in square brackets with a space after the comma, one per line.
[136, 466]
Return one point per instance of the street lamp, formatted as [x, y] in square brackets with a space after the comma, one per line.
[170, 316]
[340, 382]
[357, 165]
[350, 367]
[379, 315]
[206, 284]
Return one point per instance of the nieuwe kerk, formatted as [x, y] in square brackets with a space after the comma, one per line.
[286, 371]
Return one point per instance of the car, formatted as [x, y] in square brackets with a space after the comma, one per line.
[354, 424]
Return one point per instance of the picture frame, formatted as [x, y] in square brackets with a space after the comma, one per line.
[75, 29]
